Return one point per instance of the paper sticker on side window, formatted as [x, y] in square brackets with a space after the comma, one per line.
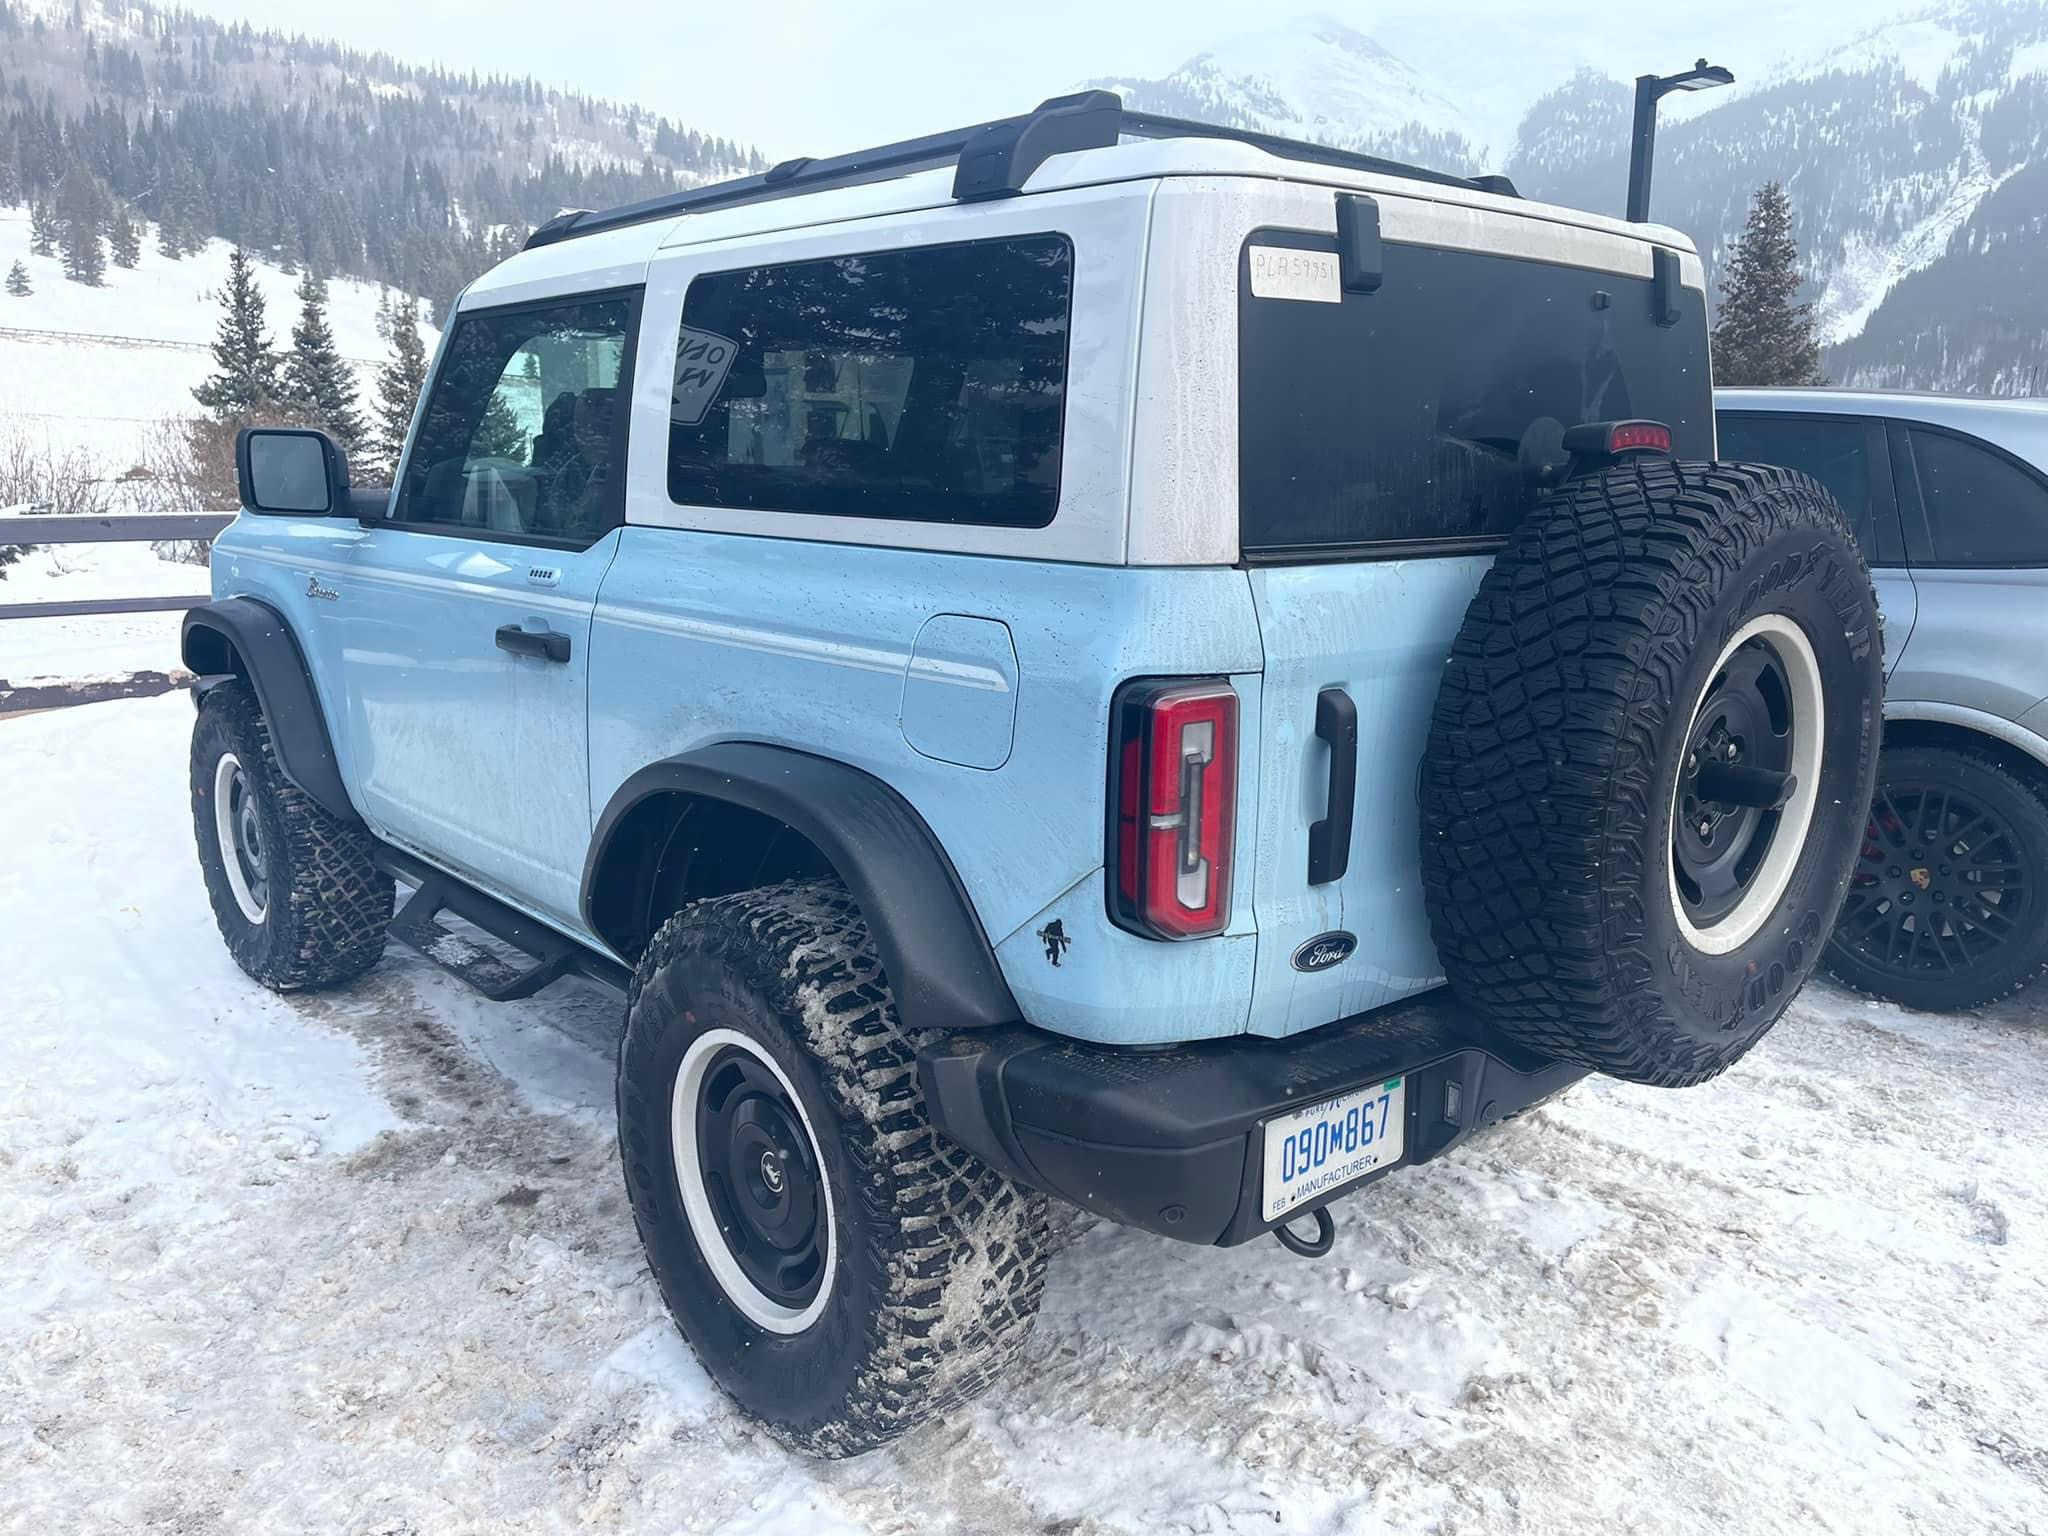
[703, 359]
[1280, 272]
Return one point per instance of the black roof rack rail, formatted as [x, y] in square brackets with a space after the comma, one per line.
[989, 160]
[1147, 125]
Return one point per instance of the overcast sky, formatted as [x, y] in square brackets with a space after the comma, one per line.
[817, 76]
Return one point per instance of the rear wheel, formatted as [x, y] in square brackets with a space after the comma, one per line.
[842, 1272]
[1948, 902]
[1637, 791]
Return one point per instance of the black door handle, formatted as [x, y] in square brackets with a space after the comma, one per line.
[1329, 840]
[547, 644]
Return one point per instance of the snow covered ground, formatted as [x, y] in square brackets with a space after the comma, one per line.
[105, 645]
[360, 1263]
[95, 368]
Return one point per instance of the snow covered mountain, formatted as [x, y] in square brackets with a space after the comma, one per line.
[1313, 78]
[1910, 147]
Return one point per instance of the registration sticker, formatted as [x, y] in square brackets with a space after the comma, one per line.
[1317, 1150]
[1281, 272]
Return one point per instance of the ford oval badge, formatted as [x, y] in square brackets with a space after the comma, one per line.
[1324, 951]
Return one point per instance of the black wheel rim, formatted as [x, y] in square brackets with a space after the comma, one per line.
[1735, 777]
[760, 1177]
[1942, 884]
[248, 852]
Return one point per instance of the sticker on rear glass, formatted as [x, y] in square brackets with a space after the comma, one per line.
[1279, 272]
[703, 359]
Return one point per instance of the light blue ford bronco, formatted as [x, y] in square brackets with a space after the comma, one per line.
[1029, 657]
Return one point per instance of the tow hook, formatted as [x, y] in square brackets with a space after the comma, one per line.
[1309, 1248]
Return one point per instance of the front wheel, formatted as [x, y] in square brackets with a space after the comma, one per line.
[843, 1273]
[1947, 908]
[295, 892]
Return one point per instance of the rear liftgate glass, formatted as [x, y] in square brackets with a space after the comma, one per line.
[1393, 418]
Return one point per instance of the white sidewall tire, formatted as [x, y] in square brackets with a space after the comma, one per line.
[754, 1304]
[225, 772]
[1794, 651]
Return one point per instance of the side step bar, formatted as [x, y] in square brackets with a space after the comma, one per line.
[552, 955]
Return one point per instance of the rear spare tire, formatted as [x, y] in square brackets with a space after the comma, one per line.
[1646, 774]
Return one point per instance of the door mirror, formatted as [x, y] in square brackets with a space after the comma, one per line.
[291, 471]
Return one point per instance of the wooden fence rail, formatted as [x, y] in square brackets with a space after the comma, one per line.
[140, 528]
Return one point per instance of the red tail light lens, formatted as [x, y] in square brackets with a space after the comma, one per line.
[1173, 790]
[1597, 440]
[1634, 436]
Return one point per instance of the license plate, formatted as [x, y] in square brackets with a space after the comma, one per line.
[1313, 1151]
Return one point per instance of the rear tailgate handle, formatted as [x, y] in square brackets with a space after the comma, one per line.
[1329, 840]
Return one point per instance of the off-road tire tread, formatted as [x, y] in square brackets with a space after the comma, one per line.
[2031, 787]
[329, 927]
[963, 1248]
[1542, 756]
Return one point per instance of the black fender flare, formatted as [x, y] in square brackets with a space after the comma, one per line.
[934, 951]
[240, 634]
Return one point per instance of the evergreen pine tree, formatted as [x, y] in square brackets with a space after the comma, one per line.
[498, 433]
[17, 281]
[1763, 334]
[125, 240]
[315, 379]
[399, 383]
[42, 229]
[247, 380]
[78, 211]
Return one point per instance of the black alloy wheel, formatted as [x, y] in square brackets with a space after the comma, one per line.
[1947, 907]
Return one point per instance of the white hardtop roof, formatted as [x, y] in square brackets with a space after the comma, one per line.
[606, 256]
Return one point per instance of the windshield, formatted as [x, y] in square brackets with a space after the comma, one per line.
[1394, 418]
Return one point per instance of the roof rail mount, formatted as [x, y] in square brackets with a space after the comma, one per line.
[989, 160]
[998, 159]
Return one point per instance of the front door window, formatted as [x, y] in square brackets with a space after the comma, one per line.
[524, 433]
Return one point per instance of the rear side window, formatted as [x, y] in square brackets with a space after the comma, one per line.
[1982, 508]
[524, 430]
[927, 385]
[1847, 454]
[1373, 421]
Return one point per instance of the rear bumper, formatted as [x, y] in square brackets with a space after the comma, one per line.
[1173, 1140]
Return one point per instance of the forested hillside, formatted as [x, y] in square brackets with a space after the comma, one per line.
[1976, 318]
[306, 152]
[1913, 154]
[1913, 158]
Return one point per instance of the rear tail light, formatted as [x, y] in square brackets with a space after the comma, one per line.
[1173, 792]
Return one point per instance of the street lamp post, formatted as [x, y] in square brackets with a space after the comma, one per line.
[1651, 89]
